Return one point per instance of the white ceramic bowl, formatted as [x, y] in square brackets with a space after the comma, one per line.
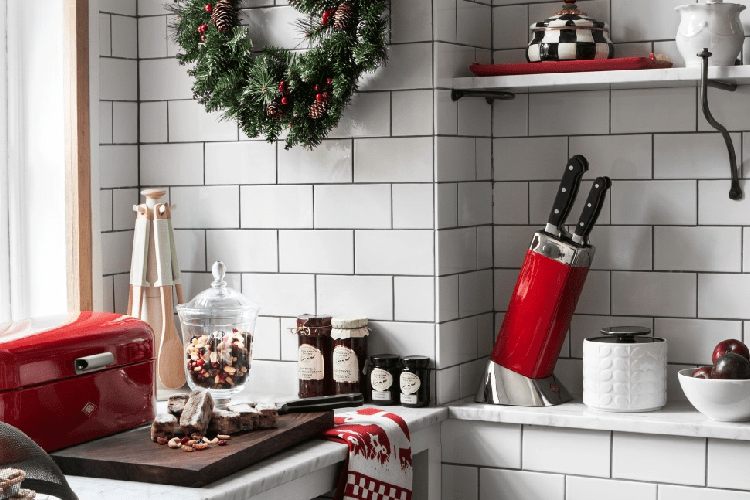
[722, 400]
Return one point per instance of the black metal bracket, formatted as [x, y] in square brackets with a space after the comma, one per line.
[735, 193]
[490, 95]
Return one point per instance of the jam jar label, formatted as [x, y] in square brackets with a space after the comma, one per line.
[409, 399]
[381, 380]
[381, 395]
[310, 363]
[345, 365]
[409, 383]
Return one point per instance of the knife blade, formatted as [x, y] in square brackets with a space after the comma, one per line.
[322, 403]
[591, 210]
[566, 194]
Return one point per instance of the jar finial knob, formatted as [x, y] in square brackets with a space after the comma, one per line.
[219, 270]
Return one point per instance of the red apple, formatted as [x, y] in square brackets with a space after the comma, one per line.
[731, 366]
[702, 372]
[730, 345]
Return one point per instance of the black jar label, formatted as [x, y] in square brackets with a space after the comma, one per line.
[310, 365]
[345, 365]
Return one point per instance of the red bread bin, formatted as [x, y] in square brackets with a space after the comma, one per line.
[69, 379]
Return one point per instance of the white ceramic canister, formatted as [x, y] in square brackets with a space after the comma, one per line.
[714, 25]
[625, 370]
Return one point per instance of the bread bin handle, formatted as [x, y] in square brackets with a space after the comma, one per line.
[94, 362]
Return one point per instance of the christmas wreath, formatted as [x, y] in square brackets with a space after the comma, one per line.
[275, 90]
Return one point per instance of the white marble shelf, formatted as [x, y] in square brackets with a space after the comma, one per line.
[675, 419]
[601, 80]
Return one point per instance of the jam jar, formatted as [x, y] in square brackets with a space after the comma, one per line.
[315, 367]
[414, 381]
[349, 354]
[386, 369]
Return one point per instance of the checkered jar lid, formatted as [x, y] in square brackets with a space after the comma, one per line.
[570, 18]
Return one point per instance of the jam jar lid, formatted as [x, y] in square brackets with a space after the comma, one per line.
[219, 301]
[388, 360]
[416, 361]
[570, 18]
[626, 335]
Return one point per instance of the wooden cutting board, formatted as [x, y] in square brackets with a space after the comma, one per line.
[132, 456]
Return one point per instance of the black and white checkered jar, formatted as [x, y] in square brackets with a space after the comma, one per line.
[569, 35]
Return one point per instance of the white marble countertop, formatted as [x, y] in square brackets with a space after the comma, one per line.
[277, 470]
[675, 419]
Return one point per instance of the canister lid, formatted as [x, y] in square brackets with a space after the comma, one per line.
[626, 335]
[218, 302]
[387, 360]
[416, 361]
[349, 322]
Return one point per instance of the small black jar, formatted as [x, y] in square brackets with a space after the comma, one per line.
[384, 379]
[414, 381]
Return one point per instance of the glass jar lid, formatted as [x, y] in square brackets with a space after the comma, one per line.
[570, 18]
[387, 360]
[419, 362]
[219, 301]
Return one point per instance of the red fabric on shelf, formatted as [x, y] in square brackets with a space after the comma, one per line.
[623, 63]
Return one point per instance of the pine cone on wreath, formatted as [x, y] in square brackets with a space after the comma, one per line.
[343, 15]
[224, 16]
[318, 109]
[274, 110]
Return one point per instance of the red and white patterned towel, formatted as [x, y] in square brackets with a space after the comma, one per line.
[379, 462]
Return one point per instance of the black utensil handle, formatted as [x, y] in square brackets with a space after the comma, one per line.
[322, 403]
[593, 206]
[566, 193]
[343, 398]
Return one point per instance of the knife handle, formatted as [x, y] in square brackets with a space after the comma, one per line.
[592, 209]
[566, 193]
[322, 403]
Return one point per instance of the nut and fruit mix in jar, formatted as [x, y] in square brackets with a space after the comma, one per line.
[315, 366]
[349, 354]
[220, 360]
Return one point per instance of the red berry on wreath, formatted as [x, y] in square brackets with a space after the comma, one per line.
[208, 7]
[317, 88]
[319, 97]
[329, 81]
[203, 38]
[202, 28]
[284, 101]
[326, 18]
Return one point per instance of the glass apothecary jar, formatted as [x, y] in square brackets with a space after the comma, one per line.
[217, 335]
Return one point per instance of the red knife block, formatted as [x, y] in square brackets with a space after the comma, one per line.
[520, 370]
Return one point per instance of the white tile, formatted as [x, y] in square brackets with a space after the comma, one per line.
[668, 459]
[409, 67]
[172, 47]
[413, 206]
[691, 156]
[405, 252]
[273, 26]
[511, 244]
[510, 203]
[470, 375]
[484, 159]
[105, 35]
[195, 283]
[723, 295]
[412, 338]
[588, 326]
[329, 162]
[414, 298]
[671, 492]
[474, 203]
[152, 37]
[509, 56]
[456, 159]
[163, 79]
[444, 19]
[584, 488]
[570, 373]
[122, 292]
[715, 207]
[210, 207]
[456, 342]
[105, 210]
[412, 112]
[709, 249]
[367, 115]
[393, 160]
[243, 250]
[447, 385]
[124, 122]
[243, 162]
[567, 451]
[474, 24]
[150, 7]
[669, 49]
[266, 339]
[595, 297]
[353, 206]
[674, 391]
[542, 195]
[459, 483]
[123, 217]
[725, 108]
[446, 112]
[447, 296]
[691, 341]
[727, 463]
[465, 442]
[447, 205]
[511, 118]
[475, 293]
[118, 166]
[505, 283]
[117, 249]
[171, 164]
[281, 294]
[370, 296]
[124, 37]
[274, 376]
[485, 334]
[105, 122]
[633, 110]
[484, 247]
[189, 121]
[524, 159]
[474, 116]
[277, 207]
[108, 294]
[622, 248]
[511, 25]
[549, 113]
[191, 249]
[153, 122]
[745, 249]
[411, 21]
[456, 250]
[118, 79]
[616, 156]
[452, 61]
[124, 7]
[330, 252]
[654, 202]
[630, 27]
[520, 485]
[289, 340]
[654, 294]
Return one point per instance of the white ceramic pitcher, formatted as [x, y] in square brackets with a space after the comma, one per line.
[714, 25]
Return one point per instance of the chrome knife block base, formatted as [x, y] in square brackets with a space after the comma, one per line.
[501, 386]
